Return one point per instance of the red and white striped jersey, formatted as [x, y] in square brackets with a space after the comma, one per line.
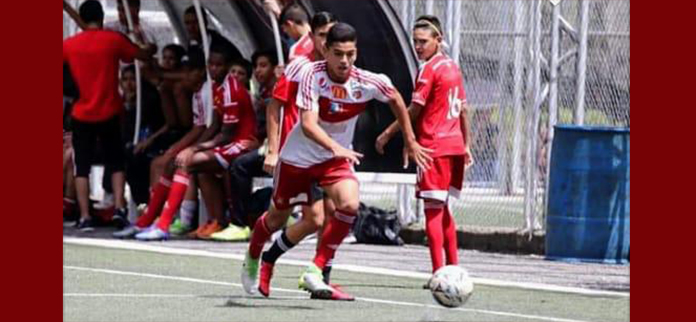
[303, 47]
[338, 106]
[440, 90]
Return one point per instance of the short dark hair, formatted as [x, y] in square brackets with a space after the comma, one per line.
[191, 10]
[224, 49]
[341, 32]
[91, 12]
[294, 13]
[429, 22]
[178, 51]
[244, 63]
[128, 69]
[270, 54]
[196, 59]
[321, 19]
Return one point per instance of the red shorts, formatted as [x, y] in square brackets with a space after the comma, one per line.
[444, 178]
[226, 154]
[293, 185]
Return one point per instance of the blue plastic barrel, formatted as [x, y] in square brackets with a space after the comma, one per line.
[588, 217]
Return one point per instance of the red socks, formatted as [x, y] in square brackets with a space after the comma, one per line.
[259, 237]
[159, 195]
[176, 196]
[336, 229]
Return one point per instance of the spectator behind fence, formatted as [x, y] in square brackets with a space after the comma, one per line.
[93, 57]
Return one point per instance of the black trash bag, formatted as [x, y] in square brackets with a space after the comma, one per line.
[377, 226]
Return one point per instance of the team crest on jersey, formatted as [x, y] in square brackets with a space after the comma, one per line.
[335, 107]
[322, 82]
[357, 94]
[339, 92]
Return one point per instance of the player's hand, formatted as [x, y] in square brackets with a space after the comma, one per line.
[183, 159]
[352, 156]
[468, 158]
[381, 141]
[270, 162]
[419, 154]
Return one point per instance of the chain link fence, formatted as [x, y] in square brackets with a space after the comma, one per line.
[496, 52]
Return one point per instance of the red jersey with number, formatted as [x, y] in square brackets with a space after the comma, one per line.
[440, 90]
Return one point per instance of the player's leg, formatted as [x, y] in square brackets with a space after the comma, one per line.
[312, 219]
[292, 185]
[84, 142]
[341, 187]
[201, 161]
[213, 197]
[433, 188]
[115, 161]
[449, 225]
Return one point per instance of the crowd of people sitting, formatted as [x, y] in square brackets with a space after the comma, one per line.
[174, 129]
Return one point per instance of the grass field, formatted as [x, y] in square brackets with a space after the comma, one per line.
[103, 284]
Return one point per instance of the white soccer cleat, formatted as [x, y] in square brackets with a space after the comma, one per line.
[250, 273]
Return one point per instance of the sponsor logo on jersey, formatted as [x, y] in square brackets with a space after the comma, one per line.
[335, 107]
[339, 92]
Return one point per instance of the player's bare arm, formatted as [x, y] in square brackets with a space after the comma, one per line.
[466, 134]
[412, 149]
[272, 132]
[386, 136]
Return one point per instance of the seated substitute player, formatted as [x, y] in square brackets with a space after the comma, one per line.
[283, 103]
[332, 95]
[163, 166]
[235, 114]
[439, 112]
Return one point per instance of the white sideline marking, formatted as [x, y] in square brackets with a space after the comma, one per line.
[363, 299]
[126, 295]
[119, 244]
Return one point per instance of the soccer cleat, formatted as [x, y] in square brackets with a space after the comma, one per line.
[128, 232]
[250, 272]
[85, 225]
[209, 229]
[232, 233]
[120, 218]
[177, 228]
[313, 282]
[265, 276]
[152, 234]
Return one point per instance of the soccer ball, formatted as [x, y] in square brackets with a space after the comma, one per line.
[451, 286]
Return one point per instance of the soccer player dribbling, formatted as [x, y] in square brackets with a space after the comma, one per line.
[331, 96]
[439, 112]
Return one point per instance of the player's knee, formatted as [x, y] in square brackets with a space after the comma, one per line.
[348, 206]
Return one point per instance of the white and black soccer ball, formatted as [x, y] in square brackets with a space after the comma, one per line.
[451, 286]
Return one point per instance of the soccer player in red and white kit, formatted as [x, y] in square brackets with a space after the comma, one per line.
[332, 95]
[234, 115]
[439, 111]
[285, 96]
